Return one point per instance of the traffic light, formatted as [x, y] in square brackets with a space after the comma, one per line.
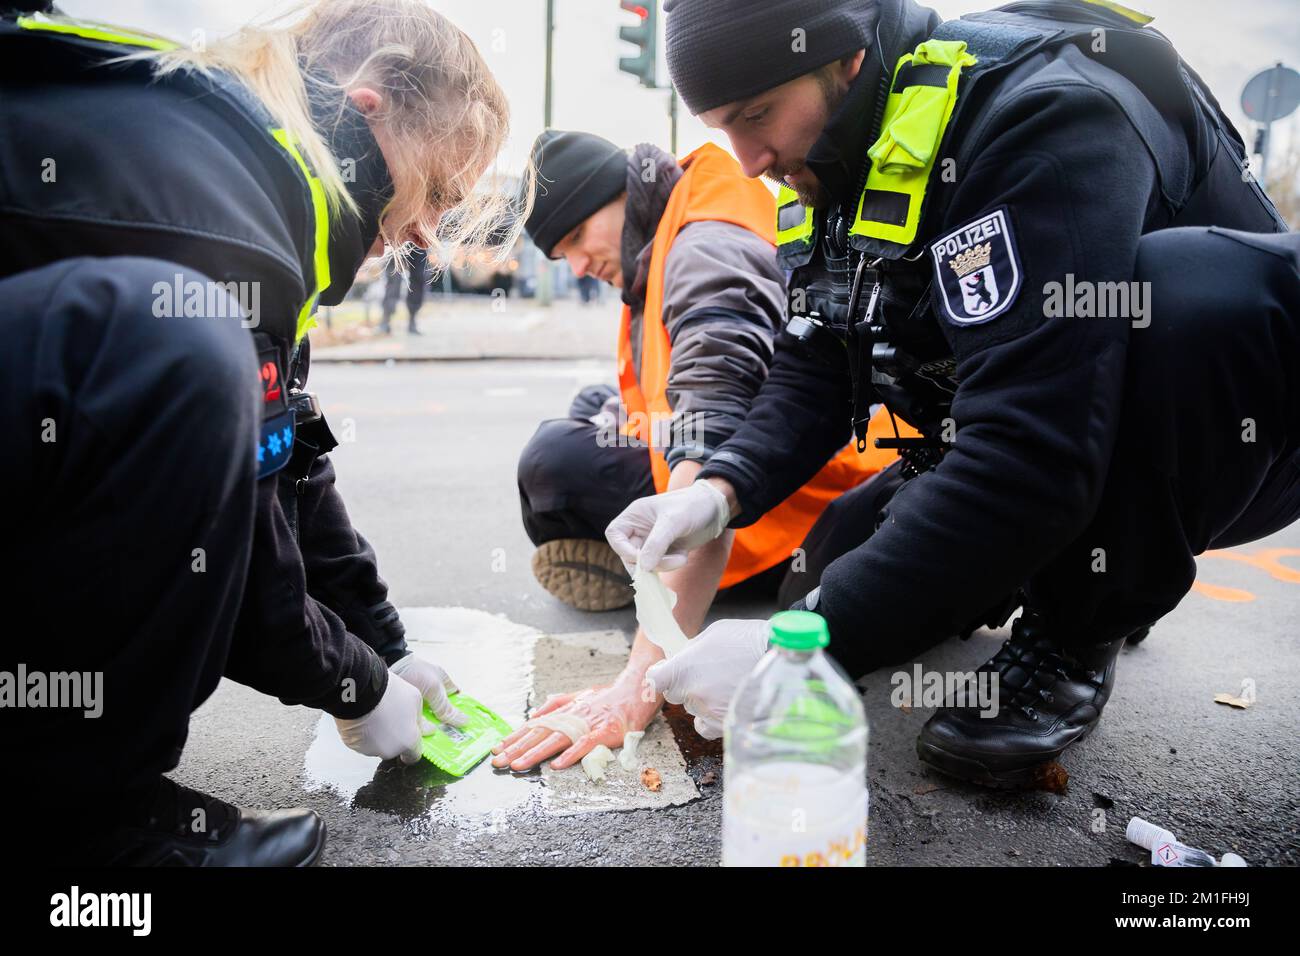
[643, 35]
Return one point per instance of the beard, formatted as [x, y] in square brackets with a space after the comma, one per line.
[810, 197]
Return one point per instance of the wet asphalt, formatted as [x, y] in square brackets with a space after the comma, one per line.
[429, 477]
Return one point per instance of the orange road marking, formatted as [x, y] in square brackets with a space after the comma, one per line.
[1220, 593]
[1268, 560]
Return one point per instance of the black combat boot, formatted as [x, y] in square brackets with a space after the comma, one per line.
[184, 827]
[1137, 637]
[1048, 698]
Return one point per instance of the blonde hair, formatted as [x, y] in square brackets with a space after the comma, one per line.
[444, 116]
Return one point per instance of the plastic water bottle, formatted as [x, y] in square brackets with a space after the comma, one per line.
[795, 757]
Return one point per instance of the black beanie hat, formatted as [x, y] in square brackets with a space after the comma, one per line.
[577, 174]
[721, 51]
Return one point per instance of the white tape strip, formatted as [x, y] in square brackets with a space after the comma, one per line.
[654, 612]
[571, 725]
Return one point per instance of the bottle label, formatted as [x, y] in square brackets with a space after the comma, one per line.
[794, 815]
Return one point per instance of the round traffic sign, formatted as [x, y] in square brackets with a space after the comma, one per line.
[1271, 95]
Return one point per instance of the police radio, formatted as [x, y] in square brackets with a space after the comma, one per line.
[819, 322]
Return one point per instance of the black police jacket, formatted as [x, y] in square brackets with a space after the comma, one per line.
[183, 170]
[1061, 164]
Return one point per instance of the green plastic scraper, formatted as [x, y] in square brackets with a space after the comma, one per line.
[457, 750]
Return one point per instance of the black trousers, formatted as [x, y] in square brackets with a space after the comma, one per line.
[129, 502]
[572, 487]
[1208, 451]
[418, 278]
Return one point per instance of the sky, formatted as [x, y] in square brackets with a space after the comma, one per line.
[1226, 43]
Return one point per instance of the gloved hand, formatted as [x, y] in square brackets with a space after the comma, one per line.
[656, 532]
[394, 728]
[434, 684]
[704, 677]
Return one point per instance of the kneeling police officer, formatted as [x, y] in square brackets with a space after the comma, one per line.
[966, 208]
[168, 493]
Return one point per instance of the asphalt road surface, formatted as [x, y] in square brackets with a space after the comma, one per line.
[429, 476]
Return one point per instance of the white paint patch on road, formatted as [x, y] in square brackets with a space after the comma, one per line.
[509, 667]
[490, 658]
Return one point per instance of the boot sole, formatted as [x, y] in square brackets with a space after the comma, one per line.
[584, 574]
[973, 771]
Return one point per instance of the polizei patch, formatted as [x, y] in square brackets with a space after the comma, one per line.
[977, 268]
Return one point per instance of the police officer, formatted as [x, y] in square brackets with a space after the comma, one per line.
[998, 227]
[164, 239]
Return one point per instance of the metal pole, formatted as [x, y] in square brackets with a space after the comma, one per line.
[1270, 104]
[672, 112]
[550, 35]
[544, 291]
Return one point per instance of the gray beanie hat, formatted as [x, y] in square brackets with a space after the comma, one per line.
[721, 51]
[577, 174]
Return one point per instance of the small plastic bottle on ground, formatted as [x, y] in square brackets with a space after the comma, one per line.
[1167, 851]
[795, 757]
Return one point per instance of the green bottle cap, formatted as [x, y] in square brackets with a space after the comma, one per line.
[799, 630]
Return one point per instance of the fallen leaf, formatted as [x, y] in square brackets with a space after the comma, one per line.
[1239, 702]
[1052, 777]
[925, 788]
[651, 780]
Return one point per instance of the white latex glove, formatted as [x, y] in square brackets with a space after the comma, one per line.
[394, 728]
[704, 677]
[657, 532]
[434, 684]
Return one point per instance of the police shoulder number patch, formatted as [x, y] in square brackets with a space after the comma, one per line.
[977, 270]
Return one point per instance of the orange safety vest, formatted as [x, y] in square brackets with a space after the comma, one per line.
[712, 187]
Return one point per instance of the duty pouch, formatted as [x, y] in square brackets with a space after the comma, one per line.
[275, 435]
[313, 436]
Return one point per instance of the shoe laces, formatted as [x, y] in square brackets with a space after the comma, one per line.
[1029, 664]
